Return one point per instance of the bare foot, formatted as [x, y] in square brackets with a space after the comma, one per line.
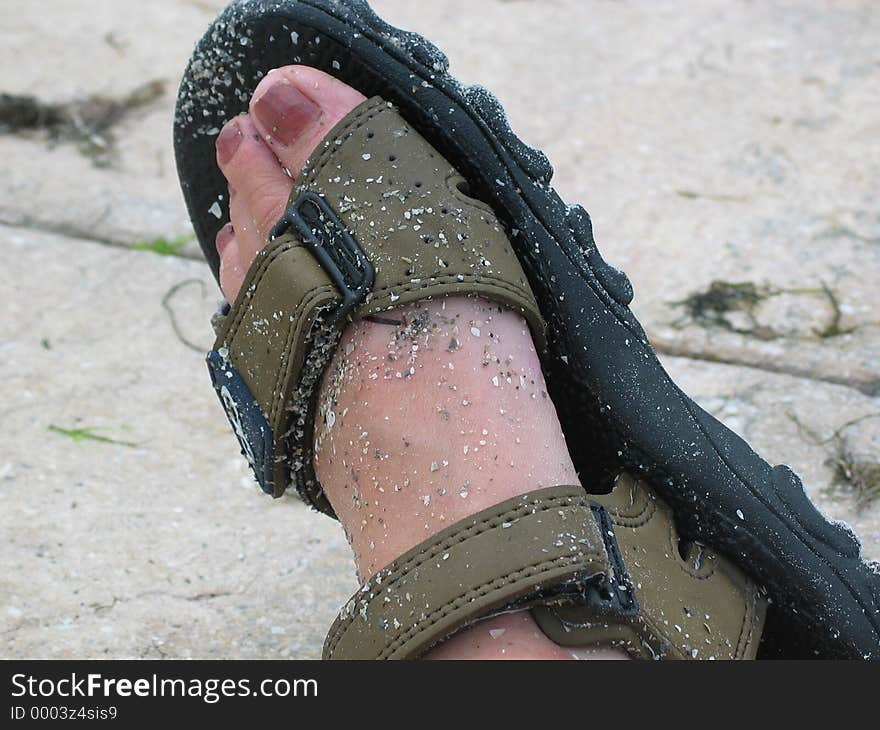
[422, 422]
[260, 153]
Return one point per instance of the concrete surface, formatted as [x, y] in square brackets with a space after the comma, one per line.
[720, 141]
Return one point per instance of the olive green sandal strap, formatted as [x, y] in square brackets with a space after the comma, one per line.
[546, 547]
[378, 219]
[407, 208]
[693, 603]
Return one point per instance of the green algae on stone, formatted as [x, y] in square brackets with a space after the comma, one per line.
[717, 197]
[860, 475]
[852, 471]
[714, 306]
[87, 433]
[164, 246]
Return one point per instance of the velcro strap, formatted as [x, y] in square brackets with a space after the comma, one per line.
[259, 359]
[541, 548]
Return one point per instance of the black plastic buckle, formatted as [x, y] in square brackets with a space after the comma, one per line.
[617, 597]
[332, 244]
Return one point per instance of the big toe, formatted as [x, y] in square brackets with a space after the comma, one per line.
[295, 107]
[292, 110]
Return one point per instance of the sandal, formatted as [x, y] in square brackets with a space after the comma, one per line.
[609, 387]
[378, 219]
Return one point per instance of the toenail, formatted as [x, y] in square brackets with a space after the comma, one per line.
[224, 238]
[228, 141]
[285, 111]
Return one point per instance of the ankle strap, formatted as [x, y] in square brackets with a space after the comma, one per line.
[551, 547]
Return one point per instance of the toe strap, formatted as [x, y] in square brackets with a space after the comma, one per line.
[549, 547]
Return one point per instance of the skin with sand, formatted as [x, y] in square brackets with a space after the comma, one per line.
[435, 412]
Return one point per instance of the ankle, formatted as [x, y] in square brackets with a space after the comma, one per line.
[431, 414]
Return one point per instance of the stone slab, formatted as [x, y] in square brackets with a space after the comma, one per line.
[161, 544]
[712, 141]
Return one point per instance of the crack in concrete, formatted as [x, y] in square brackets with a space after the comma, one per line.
[870, 387]
[83, 233]
[16, 628]
[116, 600]
[197, 597]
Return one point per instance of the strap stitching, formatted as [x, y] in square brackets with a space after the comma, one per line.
[370, 111]
[745, 636]
[472, 594]
[458, 538]
[489, 279]
[643, 517]
[251, 288]
[307, 302]
[525, 510]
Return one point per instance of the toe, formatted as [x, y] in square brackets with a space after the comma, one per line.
[231, 270]
[259, 153]
[295, 107]
[249, 231]
[225, 236]
[253, 171]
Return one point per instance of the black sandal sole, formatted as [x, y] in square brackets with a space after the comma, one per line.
[607, 383]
